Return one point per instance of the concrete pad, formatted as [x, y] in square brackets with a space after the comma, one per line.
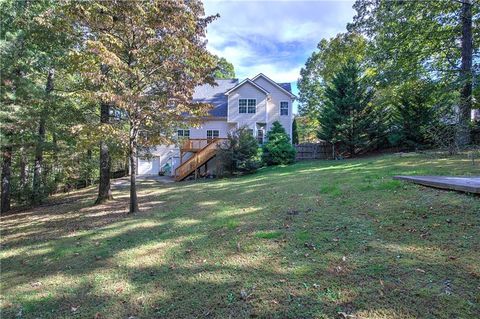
[470, 184]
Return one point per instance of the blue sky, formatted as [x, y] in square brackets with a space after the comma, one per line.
[273, 37]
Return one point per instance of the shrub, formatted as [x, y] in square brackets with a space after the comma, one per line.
[278, 149]
[239, 154]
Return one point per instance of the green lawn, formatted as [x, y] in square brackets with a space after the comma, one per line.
[304, 241]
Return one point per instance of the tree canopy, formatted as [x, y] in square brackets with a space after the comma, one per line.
[223, 69]
[76, 75]
[421, 59]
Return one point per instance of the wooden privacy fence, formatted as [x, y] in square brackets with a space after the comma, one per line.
[309, 151]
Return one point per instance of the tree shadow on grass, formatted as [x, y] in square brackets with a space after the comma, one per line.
[194, 249]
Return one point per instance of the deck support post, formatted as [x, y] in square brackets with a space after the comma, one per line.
[196, 168]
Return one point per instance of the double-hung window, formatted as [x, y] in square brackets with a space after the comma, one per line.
[211, 134]
[283, 108]
[242, 106]
[252, 106]
[247, 106]
[183, 133]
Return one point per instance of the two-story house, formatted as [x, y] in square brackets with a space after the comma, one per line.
[253, 103]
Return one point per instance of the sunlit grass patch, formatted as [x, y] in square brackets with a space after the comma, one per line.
[268, 234]
[229, 223]
[330, 294]
[307, 240]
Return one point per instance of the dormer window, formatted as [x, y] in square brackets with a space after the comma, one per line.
[247, 106]
[283, 108]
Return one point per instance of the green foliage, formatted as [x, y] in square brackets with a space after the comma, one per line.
[412, 40]
[36, 91]
[413, 114]
[348, 117]
[294, 131]
[307, 128]
[322, 65]
[278, 149]
[224, 69]
[239, 154]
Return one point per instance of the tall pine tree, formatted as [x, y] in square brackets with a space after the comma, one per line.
[346, 117]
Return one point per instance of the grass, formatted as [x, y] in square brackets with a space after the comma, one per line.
[304, 241]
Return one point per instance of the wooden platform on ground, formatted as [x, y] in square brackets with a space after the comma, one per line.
[463, 184]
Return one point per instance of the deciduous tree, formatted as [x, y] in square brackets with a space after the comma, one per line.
[155, 53]
[414, 39]
[224, 69]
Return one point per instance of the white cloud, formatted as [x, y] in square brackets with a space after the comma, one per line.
[273, 37]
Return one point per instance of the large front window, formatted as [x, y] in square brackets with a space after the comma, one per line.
[211, 134]
[247, 106]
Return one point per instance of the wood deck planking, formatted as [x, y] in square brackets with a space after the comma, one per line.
[470, 184]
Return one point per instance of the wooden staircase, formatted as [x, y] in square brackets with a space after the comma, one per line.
[200, 157]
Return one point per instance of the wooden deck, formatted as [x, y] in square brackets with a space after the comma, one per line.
[469, 184]
[203, 150]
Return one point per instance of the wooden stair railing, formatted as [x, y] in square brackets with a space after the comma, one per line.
[194, 144]
[197, 160]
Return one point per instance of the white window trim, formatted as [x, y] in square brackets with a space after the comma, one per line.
[247, 105]
[280, 108]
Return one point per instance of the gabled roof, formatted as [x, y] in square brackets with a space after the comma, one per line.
[281, 86]
[244, 82]
[286, 86]
[215, 95]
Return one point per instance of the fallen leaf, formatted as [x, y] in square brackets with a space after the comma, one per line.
[244, 295]
[343, 315]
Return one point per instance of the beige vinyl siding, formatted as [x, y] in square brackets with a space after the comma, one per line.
[201, 132]
[273, 107]
[247, 91]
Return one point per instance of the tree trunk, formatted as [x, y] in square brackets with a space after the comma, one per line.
[23, 170]
[133, 170]
[37, 169]
[104, 190]
[6, 174]
[465, 106]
